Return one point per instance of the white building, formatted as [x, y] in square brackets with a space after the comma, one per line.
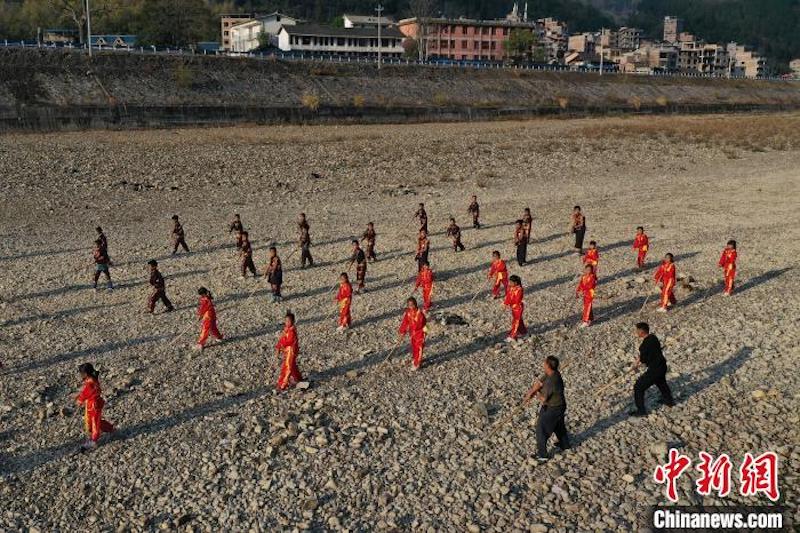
[362, 21]
[316, 38]
[244, 37]
[794, 65]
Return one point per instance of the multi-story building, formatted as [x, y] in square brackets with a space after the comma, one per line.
[689, 56]
[663, 57]
[553, 36]
[714, 59]
[629, 38]
[246, 36]
[317, 38]
[744, 62]
[226, 22]
[673, 26]
[463, 39]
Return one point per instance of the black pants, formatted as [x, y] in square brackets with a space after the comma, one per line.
[551, 420]
[156, 296]
[458, 246]
[371, 251]
[579, 234]
[361, 274]
[247, 264]
[97, 277]
[179, 242]
[657, 377]
[422, 259]
[522, 253]
[475, 223]
[305, 255]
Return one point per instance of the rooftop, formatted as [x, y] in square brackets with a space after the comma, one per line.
[331, 31]
[471, 22]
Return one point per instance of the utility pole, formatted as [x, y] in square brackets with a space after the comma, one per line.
[88, 28]
[601, 50]
[379, 9]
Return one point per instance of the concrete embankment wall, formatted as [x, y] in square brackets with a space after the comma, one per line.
[59, 89]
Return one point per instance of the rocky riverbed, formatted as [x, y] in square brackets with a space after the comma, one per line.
[204, 442]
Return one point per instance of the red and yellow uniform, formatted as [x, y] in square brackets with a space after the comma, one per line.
[514, 297]
[425, 280]
[592, 257]
[499, 275]
[642, 244]
[586, 287]
[93, 403]
[414, 324]
[666, 276]
[208, 319]
[728, 263]
[345, 299]
[288, 343]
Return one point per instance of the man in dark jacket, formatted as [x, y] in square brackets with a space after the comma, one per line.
[651, 356]
[552, 413]
[159, 289]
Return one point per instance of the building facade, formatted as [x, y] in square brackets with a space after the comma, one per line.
[745, 63]
[226, 22]
[366, 21]
[246, 36]
[673, 26]
[463, 39]
[794, 65]
[316, 38]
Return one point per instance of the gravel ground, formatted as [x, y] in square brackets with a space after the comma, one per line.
[205, 443]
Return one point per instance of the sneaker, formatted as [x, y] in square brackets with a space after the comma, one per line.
[542, 459]
[340, 329]
[662, 401]
[661, 310]
[198, 348]
[561, 446]
[414, 367]
[89, 445]
[583, 325]
[510, 339]
[171, 309]
[637, 414]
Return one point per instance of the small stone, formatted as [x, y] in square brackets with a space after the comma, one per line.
[303, 385]
[352, 374]
[758, 394]
[229, 385]
[627, 478]
[310, 504]
[473, 528]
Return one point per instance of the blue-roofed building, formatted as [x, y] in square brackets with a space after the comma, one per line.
[114, 40]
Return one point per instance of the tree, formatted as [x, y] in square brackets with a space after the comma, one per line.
[422, 10]
[175, 22]
[519, 46]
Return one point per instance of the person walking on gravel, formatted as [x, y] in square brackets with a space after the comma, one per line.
[359, 258]
[423, 248]
[651, 356]
[207, 314]
[101, 264]
[275, 274]
[592, 256]
[369, 238]
[521, 243]
[498, 273]
[641, 243]
[527, 224]
[413, 324]
[422, 216]
[246, 255]
[549, 389]
[475, 210]
[237, 228]
[425, 281]
[305, 242]
[515, 296]
[178, 236]
[586, 287]
[454, 232]
[288, 345]
[667, 277]
[578, 228]
[159, 289]
[344, 299]
[92, 401]
[728, 263]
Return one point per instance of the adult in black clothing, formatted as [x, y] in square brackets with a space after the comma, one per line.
[652, 357]
[550, 391]
[159, 289]
[578, 227]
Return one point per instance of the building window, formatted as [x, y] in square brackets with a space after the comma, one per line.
[226, 33]
[340, 41]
